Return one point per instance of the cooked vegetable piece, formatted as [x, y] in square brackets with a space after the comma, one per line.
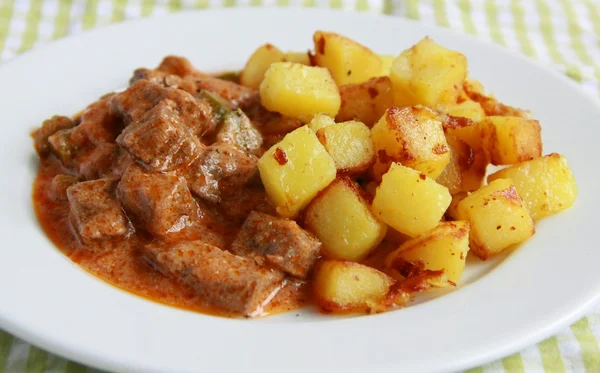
[546, 184]
[365, 102]
[298, 57]
[342, 219]
[299, 91]
[350, 146]
[259, 63]
[466, 169]
[452, 212]
[281, 242]
[498, 218]
[295, 170]
[348, 61]
[443, 248]
[412, 136]
[473, 90]
[342, 285]
[510, 140]
[237, 130]
[428, 74]
[320, 121]
[409, 201]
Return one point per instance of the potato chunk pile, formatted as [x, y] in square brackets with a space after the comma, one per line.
[390, 162]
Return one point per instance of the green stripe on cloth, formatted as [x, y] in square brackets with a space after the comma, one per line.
[229, 3]
[147, 7]
[475, 370]
[362, 5]
[34, 15]
[465, 15]
[61, 22]
[412, 9]
[306, 3]
[388, 7]
[439, 10]
[90, 14]
[6, 341]
[590, 352]
[575, 34]
[550, 354]
[256, 2]
[118, 10]
[6, 12]
[594, 16]
[283, 3]
[513, 364]
[175, 5]
[521, 28]
[336, 4]
[36, 361]
[491, 13]
[75, 368]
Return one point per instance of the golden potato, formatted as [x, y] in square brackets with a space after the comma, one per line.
[365, 102]
[409, 201]
[546, 184]
[297, 57]
[350, 146]
[466, 169]
[386, 64]
[443, 248]
[473, 90]
[320, 121]
[428, 74]
[299, 91]
[452, 212]
[294, 170]
[348, 61]
[342, 220]
[466, 109]
[257, 65]
[498, 218]
[412, 136]
[343, 285]
[510, 140]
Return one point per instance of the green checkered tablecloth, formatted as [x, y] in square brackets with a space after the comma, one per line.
[562, 33]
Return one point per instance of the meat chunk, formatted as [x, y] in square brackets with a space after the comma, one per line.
[59, 186]
[279, 241]
[103, 161]
[143, 95]
[237, 130]
[236, 206]
[224, 280]
[95, 210]
[160, 203]
[180, 66]
[98, 123]
[219, 171]
[164, 79]
[49, 128]
[160, 140]
[68, 145]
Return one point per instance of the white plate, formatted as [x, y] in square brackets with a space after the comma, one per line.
[45, 299]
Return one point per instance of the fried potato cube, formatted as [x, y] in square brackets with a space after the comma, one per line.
[386, 63]
[298, 57]
[498, 218]
[471, 135]
[412, 136]
[511, 140]
[452, 212]
[350, 146]
[546, 184]
[365, 101]
[258, 64]
[428, 74]
[466, 109]
[348, 61]
[299, 91]
[443, 248]
[466, 169]
[320, 121]
[294, 170]
[343, 285]
[409, 201]
[341, 218]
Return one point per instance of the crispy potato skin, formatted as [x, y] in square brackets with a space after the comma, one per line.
[350, 145]
[365, 102]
